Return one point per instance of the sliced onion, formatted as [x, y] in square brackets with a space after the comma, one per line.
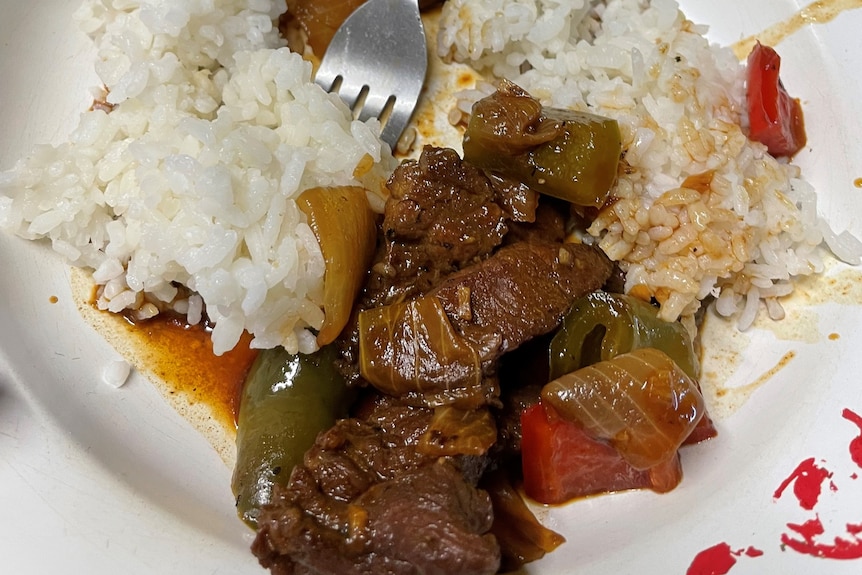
[412, 347]
[343, 223]
[641, 402]
[454, 431]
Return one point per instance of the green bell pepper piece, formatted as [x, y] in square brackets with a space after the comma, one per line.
[567, 154]
[286, 401]
[601, 326]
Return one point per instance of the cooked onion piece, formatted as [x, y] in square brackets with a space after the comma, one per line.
[413, 347]
[343, 224]
[454, 431]
[522, 537]
[641, 402]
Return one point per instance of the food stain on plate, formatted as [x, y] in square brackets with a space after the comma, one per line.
[724, 350]
[843, 287]
[856, 444]
[799, 324]
[732, 398]
[432, 120]
[810, 531]
[819, 12]
[724, 347]
[809, 537]
[178, 360]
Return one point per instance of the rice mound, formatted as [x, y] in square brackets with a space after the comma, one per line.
[700, 210]
[178, 189]
[187, 172]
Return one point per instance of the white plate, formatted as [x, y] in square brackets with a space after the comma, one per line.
[102, 481]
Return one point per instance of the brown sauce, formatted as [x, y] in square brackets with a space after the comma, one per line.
[746, 390]
[182, 356]
[818, 12]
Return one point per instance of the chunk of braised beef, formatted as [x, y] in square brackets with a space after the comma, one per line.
[521, 292]
[548, 225]
[366, 501]
[434, 521]
[426, 521]
[476, 315]
[442, 215]
[411, 426]
[517, 199]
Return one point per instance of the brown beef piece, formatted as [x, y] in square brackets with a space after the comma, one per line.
[548, 224]
[517, 199]
[521, 292]
[426, 521]
[365, 501]
[442, 215]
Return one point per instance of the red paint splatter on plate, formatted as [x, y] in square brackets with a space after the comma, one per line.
[718, 559]
[753, 552]
[839, 548]
[856, 444]
[807, 479]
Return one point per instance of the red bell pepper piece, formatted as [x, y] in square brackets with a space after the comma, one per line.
[561, 462]
[775, 119]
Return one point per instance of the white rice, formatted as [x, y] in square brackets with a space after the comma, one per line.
[191, 178]
[744, 235]
[216, 128]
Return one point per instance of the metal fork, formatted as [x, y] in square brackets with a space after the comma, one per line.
[376, 63]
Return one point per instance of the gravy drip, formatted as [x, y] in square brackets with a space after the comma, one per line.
[818, 12]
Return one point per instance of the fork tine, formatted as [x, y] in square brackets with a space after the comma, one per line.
[374, 105]
[379, 54]
[352, 95]
[397, 121]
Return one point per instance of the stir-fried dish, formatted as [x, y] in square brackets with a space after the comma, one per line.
[447, 339]
[475, 267]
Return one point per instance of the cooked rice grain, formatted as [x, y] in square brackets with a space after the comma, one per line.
[700, 210]
[192, 176]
